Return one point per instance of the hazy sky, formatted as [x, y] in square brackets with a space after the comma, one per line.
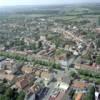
[41, 2]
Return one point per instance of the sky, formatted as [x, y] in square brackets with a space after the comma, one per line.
[42, 2]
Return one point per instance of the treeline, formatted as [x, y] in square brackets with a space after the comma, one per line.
[39, 12]
[46, 63]
[13, 56]
[89, 75]
[25, 59]
[88, 13]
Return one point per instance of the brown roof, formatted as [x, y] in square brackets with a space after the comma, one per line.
[79, 84]
[37, 73]
[87, 67]
[8, 77]
[45, 75]
[27, 69]
[22, 83]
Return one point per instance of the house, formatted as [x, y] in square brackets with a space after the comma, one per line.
[63, 82]
[47, 77]
[62, 86]
[9, 77]
[37, 73]
[93, 67]
[79, 86]
[27, 69]
[22, 83]
[34, 88]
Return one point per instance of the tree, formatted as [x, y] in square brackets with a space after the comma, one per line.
[9, 93]
[91, 94]
[73, 74]
[2, 89]
[98, 59]
[99, 20]
[68, 55]
[21, 96]
[39, 44]
[3, 97]
[33, 46]
[71, 93]
[98, 42]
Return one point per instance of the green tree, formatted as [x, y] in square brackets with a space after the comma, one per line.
[99, 20]
[3, 97]
[21, 96]
[73, 74]
[9, 93]
[98, 59]
[39, 44]
[91, 94]
[98, 43]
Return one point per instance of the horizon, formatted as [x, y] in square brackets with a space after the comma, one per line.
[4, 3]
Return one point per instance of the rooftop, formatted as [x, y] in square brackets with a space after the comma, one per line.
[79, 84]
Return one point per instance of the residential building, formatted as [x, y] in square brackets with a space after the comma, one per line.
[27, 69]
[22, 83]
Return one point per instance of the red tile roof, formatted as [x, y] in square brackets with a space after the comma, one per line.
[22, 83]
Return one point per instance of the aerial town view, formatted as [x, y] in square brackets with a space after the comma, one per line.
[49, 49]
